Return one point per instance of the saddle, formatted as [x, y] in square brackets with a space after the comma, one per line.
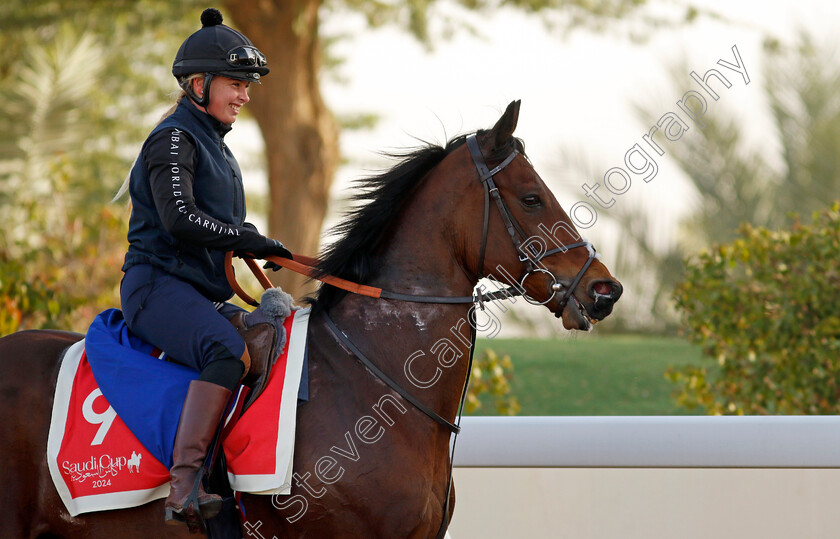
[265, 338]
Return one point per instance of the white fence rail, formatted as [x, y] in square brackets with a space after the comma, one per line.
[648, 477]
[650, 442]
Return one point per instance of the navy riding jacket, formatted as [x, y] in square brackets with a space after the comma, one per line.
[188, 203]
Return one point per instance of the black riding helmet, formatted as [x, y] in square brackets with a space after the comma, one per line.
[217, 49]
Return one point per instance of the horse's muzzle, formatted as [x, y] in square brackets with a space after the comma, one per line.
[605, 293]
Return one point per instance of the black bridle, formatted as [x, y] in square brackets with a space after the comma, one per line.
[518, 235]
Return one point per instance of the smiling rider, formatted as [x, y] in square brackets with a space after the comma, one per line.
[188, 209]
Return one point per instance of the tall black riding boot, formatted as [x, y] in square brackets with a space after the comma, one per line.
[203, 409]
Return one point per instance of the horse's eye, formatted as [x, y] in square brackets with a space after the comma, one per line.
[531, 201]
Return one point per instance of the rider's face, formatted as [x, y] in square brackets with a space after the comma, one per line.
[227, 96]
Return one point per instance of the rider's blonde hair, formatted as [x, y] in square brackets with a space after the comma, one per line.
[179, 95]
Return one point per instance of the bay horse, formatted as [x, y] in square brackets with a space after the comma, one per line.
[371, 459]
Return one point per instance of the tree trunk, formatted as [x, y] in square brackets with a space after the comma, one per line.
[300, 134]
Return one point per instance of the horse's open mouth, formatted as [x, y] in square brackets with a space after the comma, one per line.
[575, 316]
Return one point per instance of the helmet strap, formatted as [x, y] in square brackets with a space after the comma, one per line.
[204, 100]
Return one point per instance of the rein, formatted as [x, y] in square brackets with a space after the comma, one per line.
[369, 291]
[305, 265]
[345, 340]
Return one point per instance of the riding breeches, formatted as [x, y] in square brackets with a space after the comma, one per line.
[172, 315]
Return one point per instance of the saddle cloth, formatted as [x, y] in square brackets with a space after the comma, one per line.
[108, 442]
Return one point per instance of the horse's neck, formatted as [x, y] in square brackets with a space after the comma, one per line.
[415, 343]
[412, 343]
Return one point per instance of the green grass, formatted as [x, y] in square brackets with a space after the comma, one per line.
[611, 375]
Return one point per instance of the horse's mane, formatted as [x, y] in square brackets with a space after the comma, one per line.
[362, 229]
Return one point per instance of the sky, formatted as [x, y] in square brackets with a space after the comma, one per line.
[578, 94]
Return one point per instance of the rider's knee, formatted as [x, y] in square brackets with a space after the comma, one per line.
[224, 368]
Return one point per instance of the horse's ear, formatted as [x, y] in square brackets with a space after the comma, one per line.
[503, 130]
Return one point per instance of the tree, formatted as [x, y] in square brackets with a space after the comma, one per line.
[490, 376]
[738, 184]
[128, 46]
[301, 135]
[765, 309]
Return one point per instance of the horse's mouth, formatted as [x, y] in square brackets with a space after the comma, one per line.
[575, 315]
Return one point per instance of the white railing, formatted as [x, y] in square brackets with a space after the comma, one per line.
[648, 477]
[650, 442]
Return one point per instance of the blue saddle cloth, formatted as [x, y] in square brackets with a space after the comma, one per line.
[146, 392]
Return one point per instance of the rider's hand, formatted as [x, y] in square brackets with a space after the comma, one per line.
[270, 247]
[277, 249]
[272, 266]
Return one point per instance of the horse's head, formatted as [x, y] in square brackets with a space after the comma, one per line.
[526, 234]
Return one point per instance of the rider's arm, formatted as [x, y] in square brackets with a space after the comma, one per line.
[171, 175]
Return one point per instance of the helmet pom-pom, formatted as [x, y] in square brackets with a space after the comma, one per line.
[210, 17]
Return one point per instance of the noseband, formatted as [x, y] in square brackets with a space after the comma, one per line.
[518, 235]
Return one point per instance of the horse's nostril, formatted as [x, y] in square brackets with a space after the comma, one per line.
[603, 288]
[607, 290]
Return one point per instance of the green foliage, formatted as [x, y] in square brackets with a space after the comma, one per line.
[71, 276]
[491, 376]
[81, 83]
[25, 299]
[802, 84]
[738, 184]
[765, 309]
[431, 19]
[77, 94]
[735, 183]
